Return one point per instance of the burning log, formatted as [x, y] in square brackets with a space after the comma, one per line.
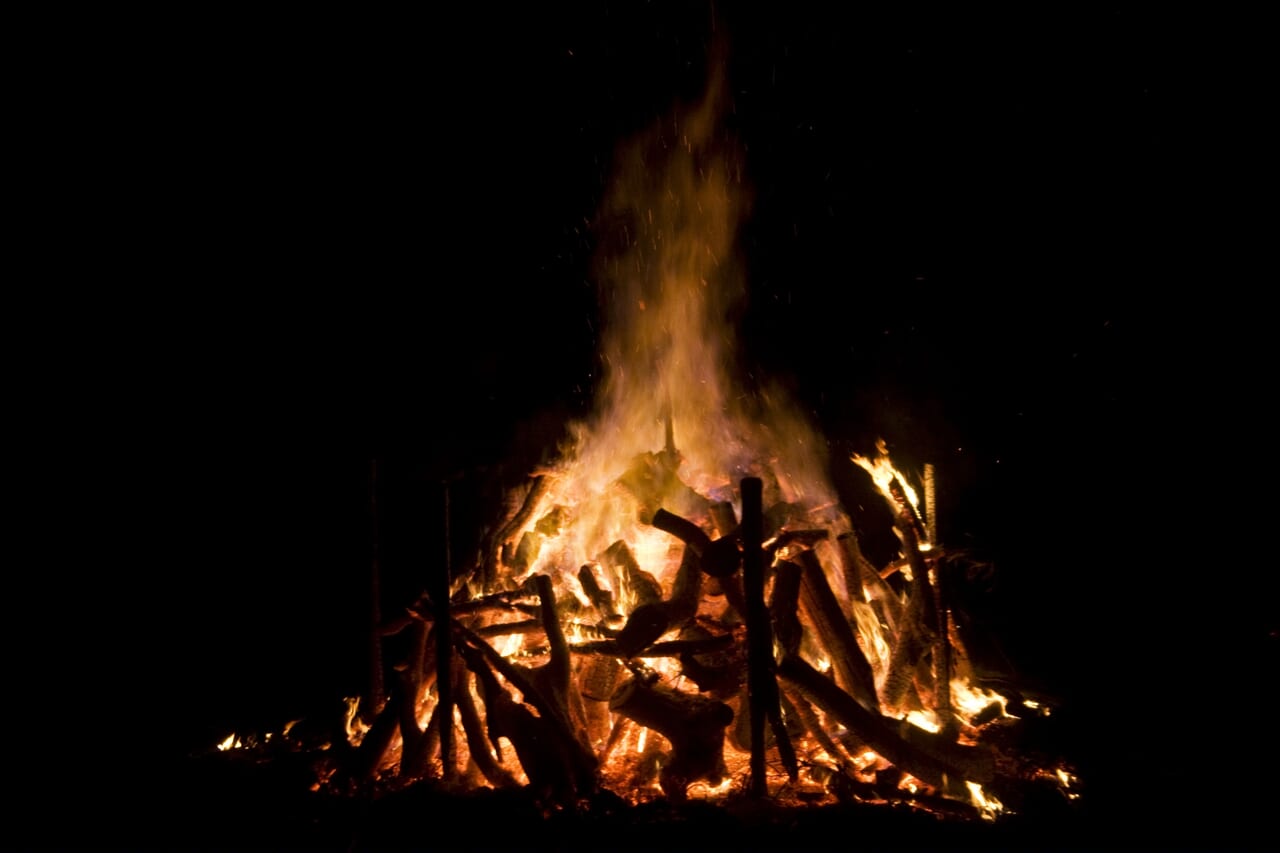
[693, 724]
[553, 759]
[821, 608]
[667, 649]
[719, 558]
[599, 597]
[929, 590]
[482, 751]
[875, 730]
[644, 586]
[489, 569]
[865, 582]
[786, 599]
[762, 688]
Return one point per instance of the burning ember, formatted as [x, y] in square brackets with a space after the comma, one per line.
[678, 607]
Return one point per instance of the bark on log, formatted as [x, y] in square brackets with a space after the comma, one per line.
[821, 608]
[482, 751]
[878, 732]
[489, 569]
[786, 599]
[644, 587]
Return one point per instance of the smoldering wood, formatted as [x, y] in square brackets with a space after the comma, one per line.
[862, 579]
[876, 731]
[975, 763]
[694, 726]
[718, 558]
[724, 518]
[820, 607]
[368, 757]
[931, 504]
[906, 511]
[686, 531]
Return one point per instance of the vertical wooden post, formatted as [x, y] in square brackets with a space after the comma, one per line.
[759, 650]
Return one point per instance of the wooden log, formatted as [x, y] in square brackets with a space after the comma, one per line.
[686, 591]
[864, 581]
[506, 629]
[783, 606]
[876, 731]
[694, 725]
[933, 610]
[666, 649]
[820, 607]
[759, 637]
[478, 744]
[794, 701]
[643, 586]
[718, 558]
[489, 568]
[931, 505]
[789, 540]
[600, 598]
[557, 764]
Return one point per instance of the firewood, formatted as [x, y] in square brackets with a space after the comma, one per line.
[646, 624]
[786, 599]
[718, 558]
[482, 751]
[644, 587]
[929, 586]
[686, 591]
[795, 540]
[694, 725]
[665, 649]
[931, 505]
[489, 568]
[761, 687]
[809, 719]
[506, 629]
[864, 581]
[820, 607]
[877, 731]
[600, 598]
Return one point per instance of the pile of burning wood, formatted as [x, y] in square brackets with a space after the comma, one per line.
[764, 655]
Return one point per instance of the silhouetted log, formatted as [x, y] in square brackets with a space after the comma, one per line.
[693, 724]
[975, 763]
[809, 719]
[821, 608]
[646, 624]
[761, 688]
[718, 558]
[876, 731]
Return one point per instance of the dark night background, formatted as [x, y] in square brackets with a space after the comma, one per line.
[994, 236]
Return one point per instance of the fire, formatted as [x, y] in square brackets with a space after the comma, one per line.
[611, 632]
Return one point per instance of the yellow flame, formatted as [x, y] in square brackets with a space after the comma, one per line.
[354, 726]
[924, 720]
[231, 742]
[883, 473]
[988, 806]
[970, 700]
